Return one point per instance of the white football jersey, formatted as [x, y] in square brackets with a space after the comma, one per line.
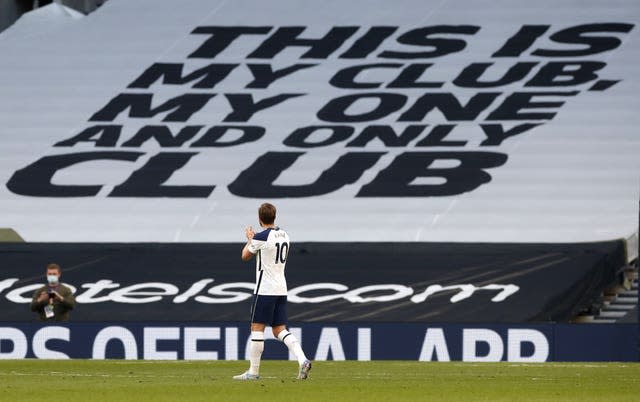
[271, 247]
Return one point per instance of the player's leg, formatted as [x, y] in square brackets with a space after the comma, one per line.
[304, 364]
[256, 347]
[280, 331]
[261, 314]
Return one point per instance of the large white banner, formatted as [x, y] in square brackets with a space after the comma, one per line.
[363, 120]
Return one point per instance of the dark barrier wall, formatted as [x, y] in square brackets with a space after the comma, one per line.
[328, 282]
[324, 341]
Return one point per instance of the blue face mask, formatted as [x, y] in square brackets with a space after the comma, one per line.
[52, 279]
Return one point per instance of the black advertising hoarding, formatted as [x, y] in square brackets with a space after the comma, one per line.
[328, 282]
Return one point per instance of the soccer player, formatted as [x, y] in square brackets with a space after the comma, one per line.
[270, 295]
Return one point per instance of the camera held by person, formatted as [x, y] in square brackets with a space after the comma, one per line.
[53, 301]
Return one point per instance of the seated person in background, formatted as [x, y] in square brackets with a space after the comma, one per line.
[53, 301]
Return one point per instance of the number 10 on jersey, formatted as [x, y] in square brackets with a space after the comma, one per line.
[282, 249]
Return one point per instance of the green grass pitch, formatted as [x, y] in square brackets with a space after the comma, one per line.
[119, 380]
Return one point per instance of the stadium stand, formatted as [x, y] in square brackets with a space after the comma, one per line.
[618, 303]
[41, 10]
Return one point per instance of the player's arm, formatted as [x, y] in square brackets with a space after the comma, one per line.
[246, 252]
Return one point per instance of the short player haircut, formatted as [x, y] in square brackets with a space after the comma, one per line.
[267, 213]
[54, 266]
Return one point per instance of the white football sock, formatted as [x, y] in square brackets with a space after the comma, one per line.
[292, 343]
[255, 351]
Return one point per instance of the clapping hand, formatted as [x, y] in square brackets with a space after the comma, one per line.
[248, 231]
